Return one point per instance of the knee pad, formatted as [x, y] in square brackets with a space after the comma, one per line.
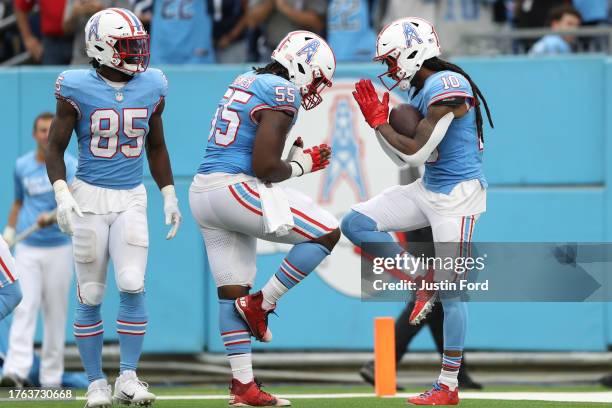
[135, 231]
[84, 243]
[354, 222]
[91, 293]
[130, 280]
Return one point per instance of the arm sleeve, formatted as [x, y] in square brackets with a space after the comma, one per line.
[18, 186]
[276, 94]
[449, 85]
[65, 90]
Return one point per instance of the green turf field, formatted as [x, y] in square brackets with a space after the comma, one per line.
[175, 398]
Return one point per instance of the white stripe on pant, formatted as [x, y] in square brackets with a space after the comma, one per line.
[45, 274]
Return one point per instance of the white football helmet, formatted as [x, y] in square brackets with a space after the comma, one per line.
[311, 64]
[115, 37]
[403, 45]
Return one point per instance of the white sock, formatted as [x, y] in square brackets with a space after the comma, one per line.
[242, 367]
[272, 292]
[449, 378]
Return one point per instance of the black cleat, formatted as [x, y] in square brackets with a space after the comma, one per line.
[11, 381]
[467, 383]
[367, 373]
[606, 381]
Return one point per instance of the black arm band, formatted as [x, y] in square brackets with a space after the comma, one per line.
[451, 101]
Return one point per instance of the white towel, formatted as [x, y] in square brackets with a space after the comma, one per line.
[276, 210]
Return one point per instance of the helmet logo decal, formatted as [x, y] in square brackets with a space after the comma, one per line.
[310, 50]
[411, 34]
[93, 28]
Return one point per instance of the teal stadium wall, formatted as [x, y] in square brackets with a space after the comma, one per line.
[548, 163]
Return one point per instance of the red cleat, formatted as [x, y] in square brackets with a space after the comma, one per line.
[249, 308]
[251, 395]
[424, 301]
[440, 394]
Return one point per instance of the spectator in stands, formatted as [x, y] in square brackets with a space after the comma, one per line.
[452, 20]
[350, 30]
[593, 12]
[278, 17]
[76, 14]
[229, 30]
[561, 18]
[44, 264]
[181, 33]
[55, 48]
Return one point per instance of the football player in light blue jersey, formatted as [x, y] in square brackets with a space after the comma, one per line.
[44, 265]
[181, 33]
[349, 30]
[235, 198]
[116, 111]
[451, 195]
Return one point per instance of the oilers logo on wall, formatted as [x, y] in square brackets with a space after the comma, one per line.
[357, 171]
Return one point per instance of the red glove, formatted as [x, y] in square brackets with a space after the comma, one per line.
[318, 162]
[309, 160]
[375, 112]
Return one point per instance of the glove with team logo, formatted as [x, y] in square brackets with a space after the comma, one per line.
[309, 160]
[66, 205]
[375, 112]
[9, 235]
[171, 210]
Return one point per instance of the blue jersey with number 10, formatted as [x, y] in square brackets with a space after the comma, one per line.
[234, 126]
[112, 124]
[458, 157]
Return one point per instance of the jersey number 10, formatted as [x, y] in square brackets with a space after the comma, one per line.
[105, 124]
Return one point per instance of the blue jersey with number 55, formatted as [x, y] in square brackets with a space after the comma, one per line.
[233, 128]
[112, 124]
[458, 157]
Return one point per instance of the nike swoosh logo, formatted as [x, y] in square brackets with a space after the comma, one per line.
[128, 396]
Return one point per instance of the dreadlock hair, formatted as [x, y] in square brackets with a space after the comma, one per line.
[274, 68]
[436, 64]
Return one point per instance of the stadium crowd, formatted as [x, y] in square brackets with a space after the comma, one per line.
[237, 31]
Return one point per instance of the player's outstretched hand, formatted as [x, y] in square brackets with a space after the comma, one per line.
[66, 206]
[171, 210]
[309, 160]
[375, 112]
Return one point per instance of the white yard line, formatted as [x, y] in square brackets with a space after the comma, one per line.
[511, 396]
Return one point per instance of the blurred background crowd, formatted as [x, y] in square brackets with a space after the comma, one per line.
[237, 31]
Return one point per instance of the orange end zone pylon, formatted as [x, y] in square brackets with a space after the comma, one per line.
[384, 356]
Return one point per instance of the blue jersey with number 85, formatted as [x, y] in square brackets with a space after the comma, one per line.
[112, 124]
[233, 128]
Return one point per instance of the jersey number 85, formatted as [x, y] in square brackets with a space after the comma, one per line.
[105, 125]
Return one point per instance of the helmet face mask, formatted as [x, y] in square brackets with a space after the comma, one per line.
[133, 53]
[311, 97]
[394, 73]
[116, 38]
[310, 63]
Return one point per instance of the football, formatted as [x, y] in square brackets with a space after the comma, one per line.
[404, 119]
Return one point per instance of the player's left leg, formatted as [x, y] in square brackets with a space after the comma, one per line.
[452, 237]
[314, 236]
[128, 248]
[56, 279]
[10, 290]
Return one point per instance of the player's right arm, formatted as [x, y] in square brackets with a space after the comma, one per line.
[268, 164]
[59, 136]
